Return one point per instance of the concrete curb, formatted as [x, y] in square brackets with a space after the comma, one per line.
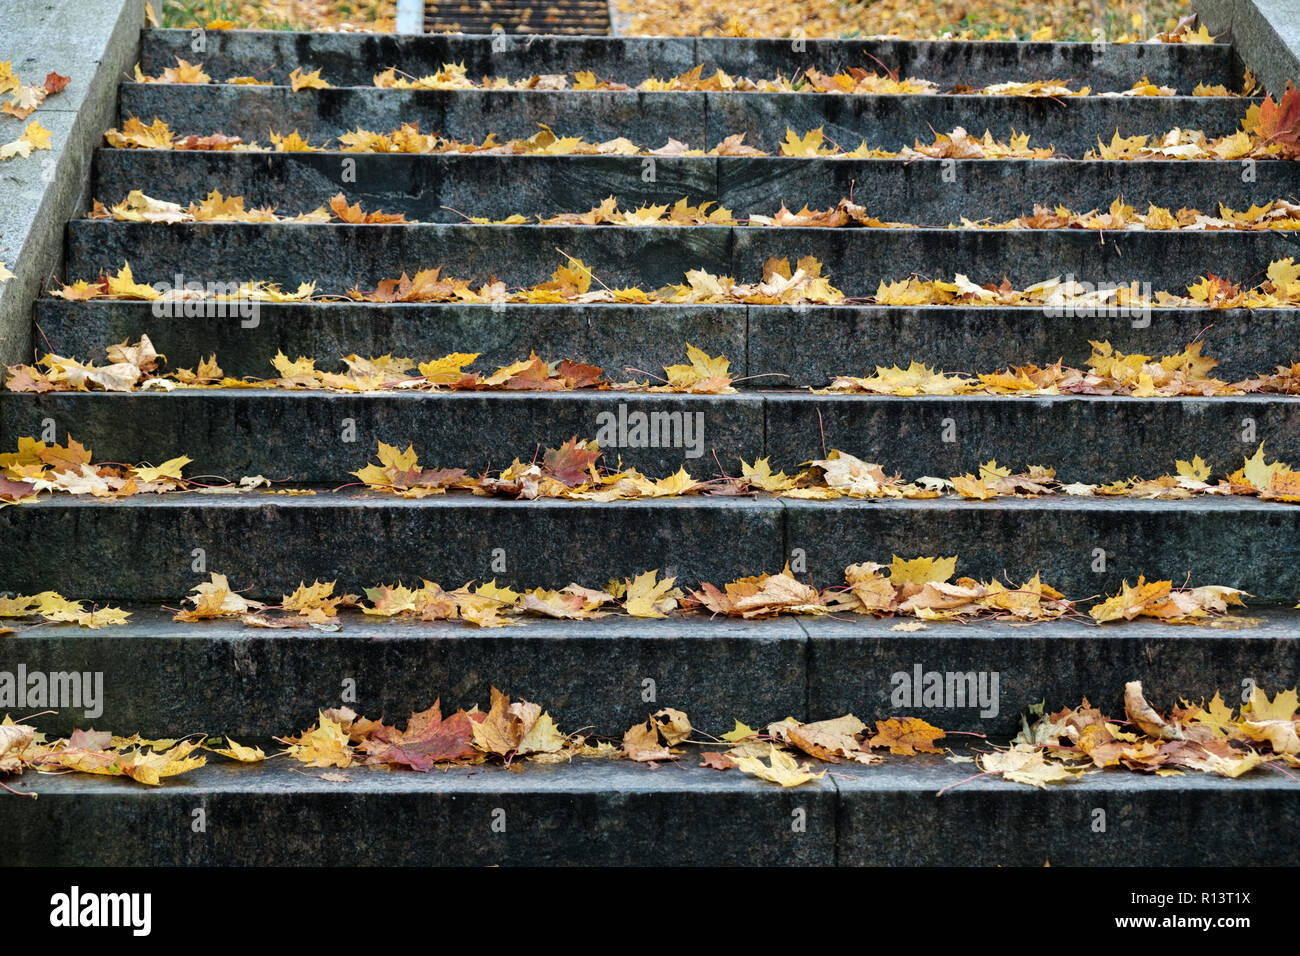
[93, 42]
[1265, 36]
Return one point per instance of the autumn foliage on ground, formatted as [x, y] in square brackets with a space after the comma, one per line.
[1269, 130]
[853, 81]
[1117, 21]
[1056, 748]
[920, 589]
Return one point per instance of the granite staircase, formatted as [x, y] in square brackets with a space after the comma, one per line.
[164, 678]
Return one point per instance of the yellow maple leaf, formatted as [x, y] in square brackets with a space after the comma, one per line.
[298, 80]
[647, 598]
[325, 745]
[738, 733]
[168, 469]
[782, 768]
[702, 372]
[293, 143]
[1196, 469]
[236, 751]
[809, 145]
[921, 570]
[123, 285]
[1283, 706]
[448, 369]
[1258, 472]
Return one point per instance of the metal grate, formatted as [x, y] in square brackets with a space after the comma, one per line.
[571, 17]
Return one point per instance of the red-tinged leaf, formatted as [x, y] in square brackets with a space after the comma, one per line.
[428, 740]
[571, 462]
[55, 83]
[24, 378]
[716, 760]
[1280, 122]
[15, 490]
[91, 739]
[214, 141]
[534, 376]
[577, 375]
[426, 478]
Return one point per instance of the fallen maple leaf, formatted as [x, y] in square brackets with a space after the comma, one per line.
[906, 736]
[428, 739]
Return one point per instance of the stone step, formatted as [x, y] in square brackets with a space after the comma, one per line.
[340, 256]
[271, 542]
[332, 535]
[604, 812]
[700, 120]
[253, 683]
[615, 337]
[758, 340]
[299, 436]
[447, 188]
[353, 59]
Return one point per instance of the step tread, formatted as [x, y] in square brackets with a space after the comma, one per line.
[700, 119]
[903, 775]
[421, 185]
[150, 622]
[743, 396]
[592, 673]
[606, 812]
[855, 261]
[279, 89]
[328, 498]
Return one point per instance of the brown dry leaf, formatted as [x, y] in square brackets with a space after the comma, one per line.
[831, 740]
[1144, 716]
[906, 736]
[716, 760]
[1029, 767]
[643, 744]
[516, 729]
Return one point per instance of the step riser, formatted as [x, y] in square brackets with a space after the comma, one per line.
[282, 253]
[553, 829]
[274, 547]
[866, 671]
[273, 543]
[338, 256]
[351, 59]
[614, 814]
[298, 437]
[1093, 440]
[1159, 826]
[701, 120]
[1185, 541]
[830, 341]
[249, 685]
[614, 337]
[431, 188]
[161, 679]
